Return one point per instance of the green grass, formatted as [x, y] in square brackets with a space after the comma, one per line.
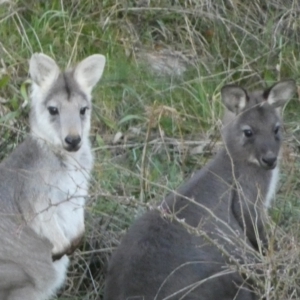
[252, 44]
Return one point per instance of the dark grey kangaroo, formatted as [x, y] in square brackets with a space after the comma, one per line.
[160, 258]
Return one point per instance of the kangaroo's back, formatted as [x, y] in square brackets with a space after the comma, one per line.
[44, 182]
[181, 250]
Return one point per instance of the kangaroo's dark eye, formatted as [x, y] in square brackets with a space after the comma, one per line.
[248, 132]
[83, 110]
[53, 110]
[276, 130]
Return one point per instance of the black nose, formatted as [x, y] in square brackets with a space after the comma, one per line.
[269, 161]
[72, 141]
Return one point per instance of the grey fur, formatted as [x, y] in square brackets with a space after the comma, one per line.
[158, 256]
[43, 184]
[64, 85]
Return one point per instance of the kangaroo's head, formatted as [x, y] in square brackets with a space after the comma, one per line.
[252, 133]
[61, 101]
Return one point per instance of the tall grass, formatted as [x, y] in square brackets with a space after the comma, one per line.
[157, 110]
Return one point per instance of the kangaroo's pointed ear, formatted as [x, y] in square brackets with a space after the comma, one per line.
[280, 93]
[234, 98]
[43, 70]
[89, 71]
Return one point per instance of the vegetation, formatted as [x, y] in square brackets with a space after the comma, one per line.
[157, 109]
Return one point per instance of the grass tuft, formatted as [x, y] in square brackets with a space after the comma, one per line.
[157, 109]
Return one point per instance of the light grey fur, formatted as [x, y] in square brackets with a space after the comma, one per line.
[44, 182]
[158, 257]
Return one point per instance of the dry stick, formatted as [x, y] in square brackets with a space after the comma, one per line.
[240, 268]
[192, 286]
[87, 269]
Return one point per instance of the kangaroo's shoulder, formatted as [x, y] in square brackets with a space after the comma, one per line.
[25, 155]
[153, 228]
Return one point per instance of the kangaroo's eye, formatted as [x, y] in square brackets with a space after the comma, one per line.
[53, 110]
[83, 110]
[248, 132]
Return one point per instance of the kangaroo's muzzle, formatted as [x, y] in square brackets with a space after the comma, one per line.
[72, 143]
[269, 161]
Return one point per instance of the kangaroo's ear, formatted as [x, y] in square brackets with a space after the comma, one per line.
[234, 98]
[89, 71]
[280, 93]
[43, 70]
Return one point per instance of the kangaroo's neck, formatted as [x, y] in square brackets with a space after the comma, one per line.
[214, 185]
[253, 180]
[82, 158]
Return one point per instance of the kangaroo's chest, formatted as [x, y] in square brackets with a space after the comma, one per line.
[68, 194]
[70, 185]
[59, 207]
[260, 185]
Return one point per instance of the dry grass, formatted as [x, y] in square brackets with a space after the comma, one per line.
[157, 110]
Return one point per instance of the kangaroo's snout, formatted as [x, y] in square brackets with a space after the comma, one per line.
[72, 142]
[269, 161]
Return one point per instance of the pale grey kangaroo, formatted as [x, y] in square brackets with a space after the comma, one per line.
[160, 259]
[44, 182]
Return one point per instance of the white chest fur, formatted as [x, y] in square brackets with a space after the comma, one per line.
[59, 204]
[272, 187]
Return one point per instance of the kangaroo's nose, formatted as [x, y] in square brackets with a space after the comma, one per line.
[73, 142]
[269, 161]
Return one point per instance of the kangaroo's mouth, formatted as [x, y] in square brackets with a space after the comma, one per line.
[72, 148]
[269, 164]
